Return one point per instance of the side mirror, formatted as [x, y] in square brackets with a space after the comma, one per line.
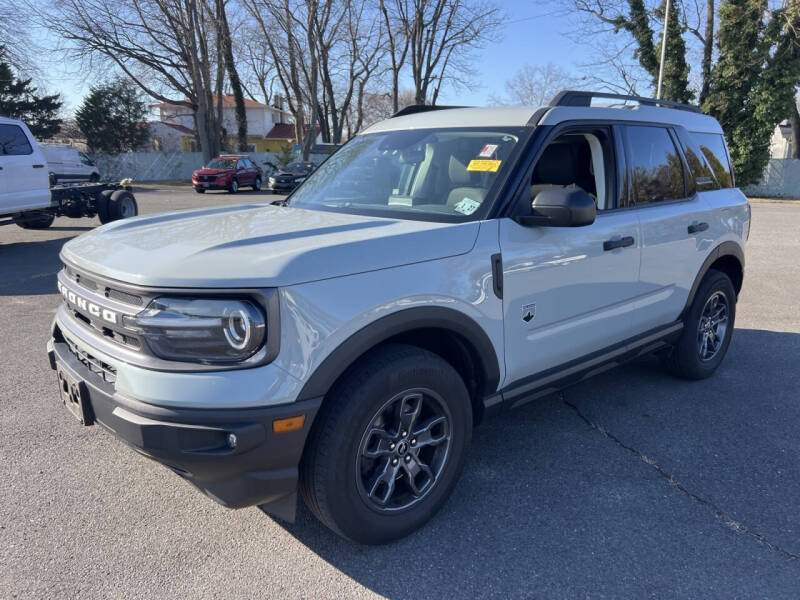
[560, 207]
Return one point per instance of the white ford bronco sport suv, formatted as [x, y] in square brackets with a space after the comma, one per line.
[442, 266]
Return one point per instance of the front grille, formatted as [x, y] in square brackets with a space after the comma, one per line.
[103, 370]
[93, 285]
[124, 297]
[94, 290]
[206, 178]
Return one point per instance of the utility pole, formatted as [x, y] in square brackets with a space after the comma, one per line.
[663, 51]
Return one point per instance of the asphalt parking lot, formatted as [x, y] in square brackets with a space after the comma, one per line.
[631, 485]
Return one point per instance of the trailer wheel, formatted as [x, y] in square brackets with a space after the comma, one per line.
[35, 220]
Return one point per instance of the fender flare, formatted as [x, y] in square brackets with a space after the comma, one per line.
[384, 328]
[724, 249]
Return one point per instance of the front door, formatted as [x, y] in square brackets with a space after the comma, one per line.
[568, 292]
[25, 181]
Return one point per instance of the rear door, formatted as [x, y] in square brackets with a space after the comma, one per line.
[568, 292]
[25, 181]
[674, 219]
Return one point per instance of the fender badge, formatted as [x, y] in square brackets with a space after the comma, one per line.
[528, 312]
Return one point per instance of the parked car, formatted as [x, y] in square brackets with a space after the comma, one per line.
[292, 175]
[66, 163]
[27, 198]
[443, 266]
[227, 172]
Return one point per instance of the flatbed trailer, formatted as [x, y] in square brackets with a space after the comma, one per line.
[110, 201]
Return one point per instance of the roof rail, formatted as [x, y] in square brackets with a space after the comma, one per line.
[419, 108]
[583, 98]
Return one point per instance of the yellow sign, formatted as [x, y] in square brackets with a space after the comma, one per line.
[489, 166]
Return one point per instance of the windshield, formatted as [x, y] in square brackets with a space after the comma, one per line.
[221, 163]
[430, 174]
[299, 168]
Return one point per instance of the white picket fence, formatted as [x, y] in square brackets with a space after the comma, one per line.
[781, 179]
[162, 166]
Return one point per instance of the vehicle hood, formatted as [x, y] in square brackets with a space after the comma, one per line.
[212, 171]
[259, 245]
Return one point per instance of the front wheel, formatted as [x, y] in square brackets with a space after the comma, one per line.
[388, 445]
[707, 330]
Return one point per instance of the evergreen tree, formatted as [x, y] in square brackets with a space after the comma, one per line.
[753, 82]
[111, 117]
[19, 100]
[648, 53]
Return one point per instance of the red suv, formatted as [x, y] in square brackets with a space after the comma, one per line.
[227, 172]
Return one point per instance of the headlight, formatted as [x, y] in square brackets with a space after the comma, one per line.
[203, 330]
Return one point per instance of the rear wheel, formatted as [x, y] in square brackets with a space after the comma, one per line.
[257, 184]
[35, 220]
[388, 445]
[234, 186]
[94, 178]
[707, 330]
[116, 205]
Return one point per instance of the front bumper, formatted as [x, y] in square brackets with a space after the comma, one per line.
[262, 468]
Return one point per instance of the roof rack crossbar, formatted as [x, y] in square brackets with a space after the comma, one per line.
[420, 108]
[583, 98]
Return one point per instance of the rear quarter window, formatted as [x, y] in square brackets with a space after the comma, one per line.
[716, 152]
[13, 141]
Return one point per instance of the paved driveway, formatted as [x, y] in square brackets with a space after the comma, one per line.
[630, 485]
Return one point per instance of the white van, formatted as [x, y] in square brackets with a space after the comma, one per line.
[66, 163]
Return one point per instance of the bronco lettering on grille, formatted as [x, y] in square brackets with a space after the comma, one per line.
[85, 305]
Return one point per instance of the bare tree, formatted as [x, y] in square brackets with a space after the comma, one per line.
[290, 33]
[226, 51]
[167, 47]
[14, 37]
[535, 85]
[433, 37]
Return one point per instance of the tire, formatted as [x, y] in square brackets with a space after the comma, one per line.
[35, 220]
[360, 415]
[690, 359]
[234, 186]
[102, 203]
[121, 205]
[94, 178]
[200, 190]
[257, 184]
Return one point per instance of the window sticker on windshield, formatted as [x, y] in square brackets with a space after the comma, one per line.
[488, 150]
[467, 206]
[489, 166]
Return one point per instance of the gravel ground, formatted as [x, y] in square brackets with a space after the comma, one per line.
[633, 484]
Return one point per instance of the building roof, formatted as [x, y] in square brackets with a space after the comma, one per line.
[228, 101]
[285, 131]
[180, 128]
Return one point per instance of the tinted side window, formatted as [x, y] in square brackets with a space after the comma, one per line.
[655, 165]
[713, 146]
[701, 177]
[13, 141]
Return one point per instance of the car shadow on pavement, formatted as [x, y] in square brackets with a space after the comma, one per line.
[632, 484]
[30, 268]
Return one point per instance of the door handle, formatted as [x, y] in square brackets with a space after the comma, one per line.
[697, 227]
[38, 166]
[620, 243]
